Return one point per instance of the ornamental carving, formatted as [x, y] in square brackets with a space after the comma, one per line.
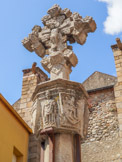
[50, 41]
[62, 109]
[49, 111]
[69, 113]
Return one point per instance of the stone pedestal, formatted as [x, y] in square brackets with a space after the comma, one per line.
[60, 118]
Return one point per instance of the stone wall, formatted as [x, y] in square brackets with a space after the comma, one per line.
[16, 105]
[102, 142]
[101, 151]
[30, 80]
[101, 95]
[34, 148]
[117, 51]
[103, 123]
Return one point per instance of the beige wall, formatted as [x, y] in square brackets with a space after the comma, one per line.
[12, 134]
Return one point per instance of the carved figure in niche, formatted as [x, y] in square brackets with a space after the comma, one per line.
[60, 26]
[70, 114]
[72, 109]
[49, 110]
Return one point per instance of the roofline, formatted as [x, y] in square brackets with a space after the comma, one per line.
[98, 89]
[30, 69]
[17, 116]
[98, 72]
[88, 77]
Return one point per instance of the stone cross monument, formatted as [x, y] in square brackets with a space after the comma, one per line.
[60, 112]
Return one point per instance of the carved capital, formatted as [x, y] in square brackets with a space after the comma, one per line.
[61, 108]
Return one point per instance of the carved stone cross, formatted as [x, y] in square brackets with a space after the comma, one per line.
[50, 42]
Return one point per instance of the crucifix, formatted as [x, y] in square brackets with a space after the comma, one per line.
[50, 41]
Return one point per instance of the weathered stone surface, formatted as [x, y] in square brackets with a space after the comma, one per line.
[16, 105]
[99, 80]
[103, 151]
[103, 123]
[58, 105]
[34, 149]
[117, 50]
[102, 142]
[64, 141]
[30, 81]
[62, 105]
[103, 120]
[60, 26]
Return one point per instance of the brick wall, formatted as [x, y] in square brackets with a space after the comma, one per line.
[117, 51]
[30, 80]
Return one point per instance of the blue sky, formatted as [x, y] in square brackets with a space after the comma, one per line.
[18, 17]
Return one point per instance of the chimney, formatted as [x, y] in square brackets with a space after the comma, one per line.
[31, 77]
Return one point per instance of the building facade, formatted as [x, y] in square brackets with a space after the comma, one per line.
[14, 134]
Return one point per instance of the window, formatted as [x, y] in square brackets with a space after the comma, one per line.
[17, 156]
[14, 159]
[42, 151]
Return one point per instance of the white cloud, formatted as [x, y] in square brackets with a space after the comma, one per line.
[113, 22]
